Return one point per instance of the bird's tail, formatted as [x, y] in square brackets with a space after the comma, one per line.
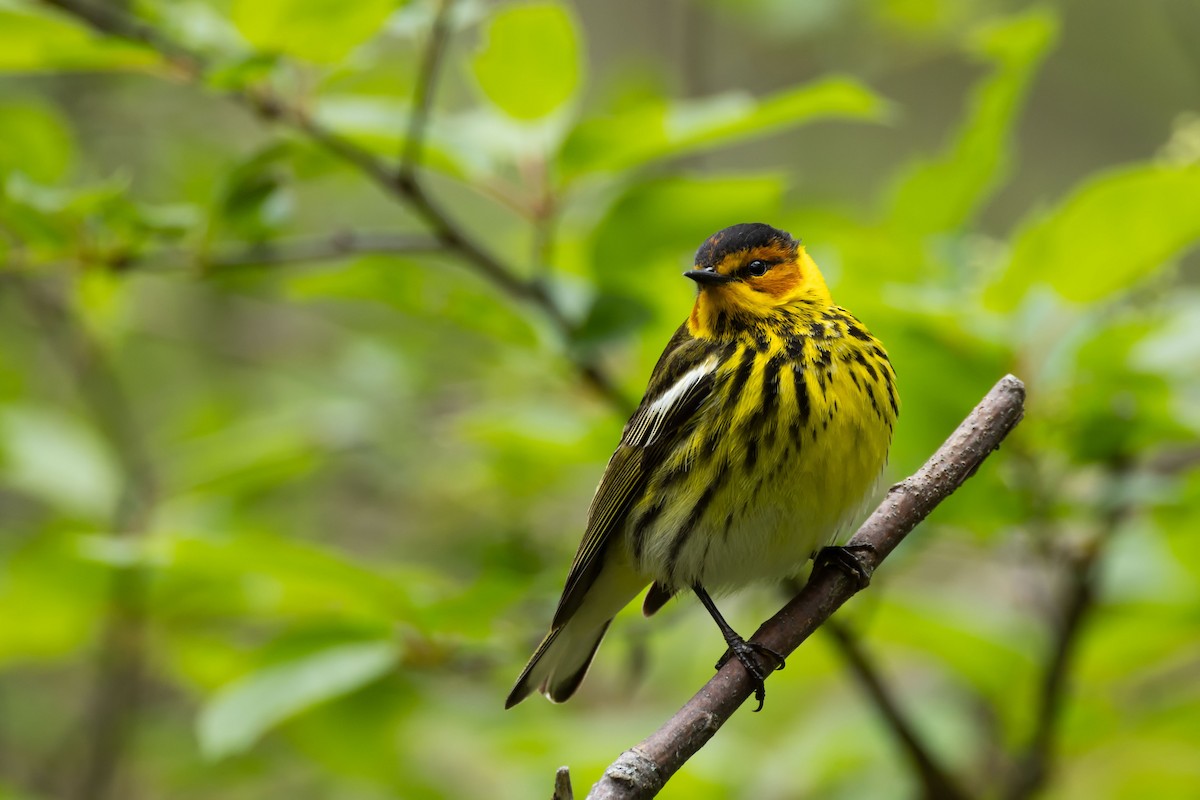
[559, 664]
[562, 659]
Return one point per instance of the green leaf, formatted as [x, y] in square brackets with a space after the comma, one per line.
[32, 40]
[52, 601]
[239, 714]
[668, 131]
[169, 220]
[943, 193]
[324, 31]
[242, 71]
[1106, 235]
[407, 285]
[307, 581]
[98, 222]
[1112, 408]
[52, 456]
[256, 198]
[37, 141]
[529, 65]
[613, 314]
[199, 27]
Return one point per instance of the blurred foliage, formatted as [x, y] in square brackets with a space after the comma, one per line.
[361, 475]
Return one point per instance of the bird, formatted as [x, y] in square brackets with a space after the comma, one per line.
[763, 431]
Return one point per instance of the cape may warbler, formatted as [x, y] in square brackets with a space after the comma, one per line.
[765, 425]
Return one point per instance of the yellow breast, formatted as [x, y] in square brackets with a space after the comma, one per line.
[781, 459]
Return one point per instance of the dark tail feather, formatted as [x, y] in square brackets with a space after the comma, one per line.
[656, 598]
[558, 665]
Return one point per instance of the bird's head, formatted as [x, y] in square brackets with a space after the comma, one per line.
[752, 270]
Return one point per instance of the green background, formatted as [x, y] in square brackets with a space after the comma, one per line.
[285, 503]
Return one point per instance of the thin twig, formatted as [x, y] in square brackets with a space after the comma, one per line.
[274, 253]
[936, 782]
[423, 92]
[544, 216]
[1032, 769]
[1034, 766]
[323, 248]
[284, 252]
[115, 698]
[643, 770]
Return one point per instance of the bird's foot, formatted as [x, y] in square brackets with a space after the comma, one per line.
[748, 654]
[843, 558]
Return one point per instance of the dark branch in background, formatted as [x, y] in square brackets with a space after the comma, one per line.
[401, 185]
[936, 783]
[1034, 765]
[279, 252]
[1174, 461]
[643, 770]
[274, 253]
[422, 101]
[115, 697]
[303, 250]
[933, 775]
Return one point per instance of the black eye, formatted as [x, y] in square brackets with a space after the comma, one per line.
[757, 268]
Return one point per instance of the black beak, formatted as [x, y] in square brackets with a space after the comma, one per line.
[707, 277]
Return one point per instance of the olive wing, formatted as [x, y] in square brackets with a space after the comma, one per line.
[679, 385]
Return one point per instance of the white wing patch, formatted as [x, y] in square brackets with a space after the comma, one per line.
[647, 426]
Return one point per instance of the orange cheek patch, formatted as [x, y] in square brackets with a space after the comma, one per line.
[777, 283]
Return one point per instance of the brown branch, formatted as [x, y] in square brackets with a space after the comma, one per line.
[562, 785]
[401, 185]
[422, 102]
[115, 697]
[643, 770]
[937, 784]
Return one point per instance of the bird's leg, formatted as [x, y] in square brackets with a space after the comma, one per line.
[745, 652]
[844, 559]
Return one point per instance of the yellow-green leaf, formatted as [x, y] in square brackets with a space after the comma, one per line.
[529, 64]
[1106, 235]
[666, 131]
[32, 40]
[943, 192]
[243, 711]
[37, 141]
[316, 30]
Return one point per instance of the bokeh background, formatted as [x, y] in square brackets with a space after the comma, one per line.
[290, 476]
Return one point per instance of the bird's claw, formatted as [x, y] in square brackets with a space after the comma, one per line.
[747, 653]
[843, 559]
